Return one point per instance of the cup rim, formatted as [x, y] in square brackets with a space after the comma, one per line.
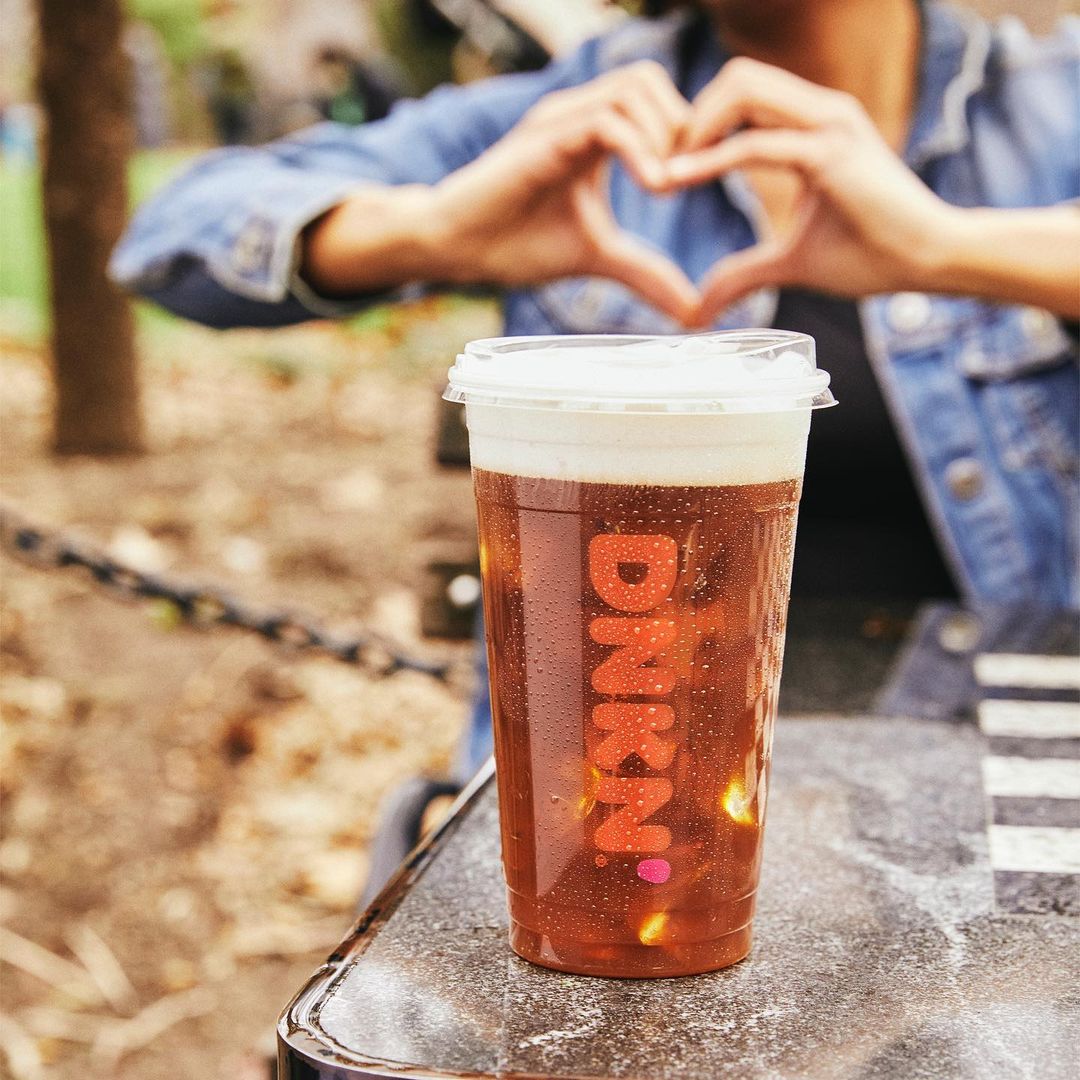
[496, 371]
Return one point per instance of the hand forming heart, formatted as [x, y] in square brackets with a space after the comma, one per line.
[534, 207]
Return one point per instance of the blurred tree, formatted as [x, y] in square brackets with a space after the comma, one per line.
[84, 85]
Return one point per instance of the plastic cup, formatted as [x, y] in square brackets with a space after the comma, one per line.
[637, 500]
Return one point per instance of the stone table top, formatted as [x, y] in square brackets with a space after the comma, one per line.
[879, 952]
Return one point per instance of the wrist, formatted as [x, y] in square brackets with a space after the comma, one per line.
[454, 250]
[379, 237]
[1012, 256]
[941, 255]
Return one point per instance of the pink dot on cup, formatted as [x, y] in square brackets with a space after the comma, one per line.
[655, 871]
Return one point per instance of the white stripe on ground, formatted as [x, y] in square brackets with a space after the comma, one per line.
[1029, 672]
[1030, 719]
[1023, 778]
[1041, 849]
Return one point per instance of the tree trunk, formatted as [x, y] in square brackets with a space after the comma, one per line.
[84, 87]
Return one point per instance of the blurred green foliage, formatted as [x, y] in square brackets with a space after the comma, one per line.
[23, 283]
[179, 23]
[24, 300]
[425, 59]
[187, 39]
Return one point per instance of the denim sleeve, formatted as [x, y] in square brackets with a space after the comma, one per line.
[219, 244]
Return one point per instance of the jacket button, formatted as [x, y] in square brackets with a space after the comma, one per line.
[1037, 322]
[959, 633]
[908, 311]
[252, 248]
[964, 478]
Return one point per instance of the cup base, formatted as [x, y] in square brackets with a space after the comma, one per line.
[630, 961]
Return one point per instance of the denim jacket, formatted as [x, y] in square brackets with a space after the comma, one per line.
[985, 397]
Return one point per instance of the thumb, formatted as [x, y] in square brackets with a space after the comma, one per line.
[734, 276]
[623, 258]
[653, 276]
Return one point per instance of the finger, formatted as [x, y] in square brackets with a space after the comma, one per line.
[652, 275]
[573, 108]
[663, 108]
[758, 267]
[644, 88]
[642, 92]
[649, 120]
[548, 158]
[617, 135]
[747, 92]
[806, 152]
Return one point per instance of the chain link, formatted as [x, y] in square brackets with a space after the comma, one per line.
[205, 606]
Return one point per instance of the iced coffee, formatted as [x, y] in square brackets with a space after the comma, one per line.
[637, 502]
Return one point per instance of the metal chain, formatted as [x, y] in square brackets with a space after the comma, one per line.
[205, 606]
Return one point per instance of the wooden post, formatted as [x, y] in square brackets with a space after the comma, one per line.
[84, 87]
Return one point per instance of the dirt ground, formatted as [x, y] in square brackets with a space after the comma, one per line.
[186, 813]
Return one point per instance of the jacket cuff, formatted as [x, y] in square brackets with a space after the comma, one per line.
[262, 262]
[323, 306]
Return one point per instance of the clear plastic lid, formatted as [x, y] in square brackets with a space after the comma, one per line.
[721, 371]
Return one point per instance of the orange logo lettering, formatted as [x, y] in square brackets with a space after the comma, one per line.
[633, 728]
[610, 551]
[634, 669]
[640, 797]
[623, 672]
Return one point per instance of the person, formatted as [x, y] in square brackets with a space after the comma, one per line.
[230, 97]
[895, 177]
[353, 91]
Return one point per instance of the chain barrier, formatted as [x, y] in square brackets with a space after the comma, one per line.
[204, 606]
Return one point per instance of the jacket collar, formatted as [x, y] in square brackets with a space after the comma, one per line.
[952, 67]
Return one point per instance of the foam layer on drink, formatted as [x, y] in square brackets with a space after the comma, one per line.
[693, 449]
[731, 407]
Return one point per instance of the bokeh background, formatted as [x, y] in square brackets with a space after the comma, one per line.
[186, 814]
